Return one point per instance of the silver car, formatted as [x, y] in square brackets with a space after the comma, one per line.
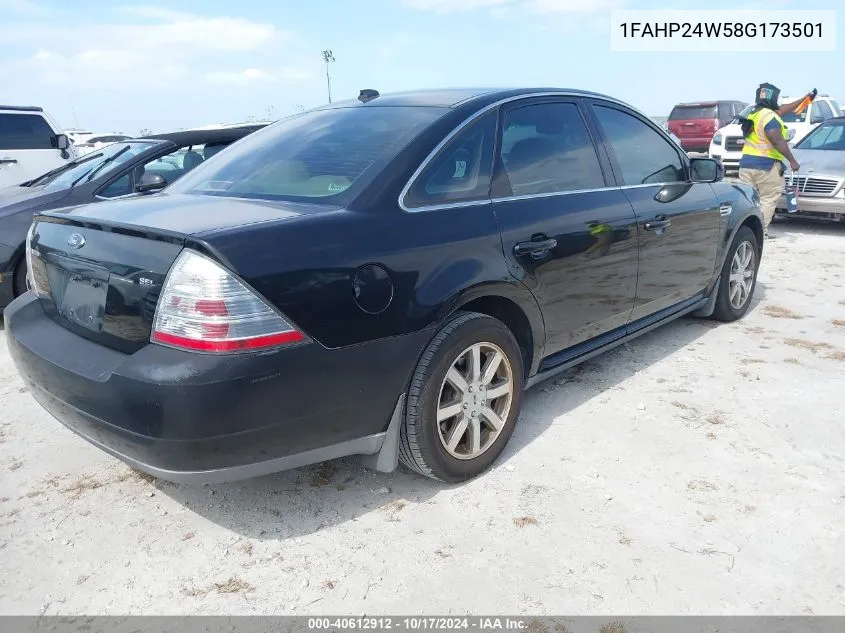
[821, 179]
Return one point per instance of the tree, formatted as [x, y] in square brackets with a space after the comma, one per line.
[145, 131]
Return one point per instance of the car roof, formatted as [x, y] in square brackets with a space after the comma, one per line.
[192, 137]
[455, 97]
[702, 104]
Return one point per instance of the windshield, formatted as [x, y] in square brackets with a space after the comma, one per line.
[794, 117]
[825, 137]
[745, 112]
[313, 156]
[82, 168]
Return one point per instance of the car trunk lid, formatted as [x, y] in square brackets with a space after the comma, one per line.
[99, 270]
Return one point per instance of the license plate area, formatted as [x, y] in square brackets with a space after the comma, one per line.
[79, 291]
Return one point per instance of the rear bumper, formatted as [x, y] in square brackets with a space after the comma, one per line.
[201, 418]
[806, 204]
[694, 144]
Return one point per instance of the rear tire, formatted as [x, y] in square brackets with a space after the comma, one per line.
[739, 277]
[464, 399]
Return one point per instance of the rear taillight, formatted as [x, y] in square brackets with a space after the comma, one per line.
[203, 307]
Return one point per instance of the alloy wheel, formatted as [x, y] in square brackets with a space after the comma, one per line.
[475, 399]
[742, 275]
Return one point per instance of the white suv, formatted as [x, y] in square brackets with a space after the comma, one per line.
[727, 141]
[31, 144]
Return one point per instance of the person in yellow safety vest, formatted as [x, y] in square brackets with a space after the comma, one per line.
[765, 148]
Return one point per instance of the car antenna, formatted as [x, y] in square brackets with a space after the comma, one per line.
[367, 95]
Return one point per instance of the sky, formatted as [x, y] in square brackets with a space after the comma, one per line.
[114, 67]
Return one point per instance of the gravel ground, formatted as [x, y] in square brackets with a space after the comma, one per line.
[698, 469]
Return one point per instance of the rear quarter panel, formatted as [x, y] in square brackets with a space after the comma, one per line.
[437, 261]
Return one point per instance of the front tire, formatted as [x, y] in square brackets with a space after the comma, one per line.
[739, 277]
[464, 399]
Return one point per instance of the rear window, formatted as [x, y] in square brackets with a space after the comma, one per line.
[312, 156]
[25, 131]
[685, 113]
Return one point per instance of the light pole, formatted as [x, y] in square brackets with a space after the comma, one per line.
[328, 57]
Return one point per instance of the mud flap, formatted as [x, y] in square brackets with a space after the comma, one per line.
[708, 308]
[387, 459]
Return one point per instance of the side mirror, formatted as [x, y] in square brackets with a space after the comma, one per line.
[62, 141]
[150, 182]
[706, 170]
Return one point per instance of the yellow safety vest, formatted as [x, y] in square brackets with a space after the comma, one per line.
[757, 143]
[598, 229]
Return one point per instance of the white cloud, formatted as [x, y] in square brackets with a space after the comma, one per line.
[26, 8]
[154, 13]
[572, 6]
[255, 75]
[101, 68]
[452, 6]
[150, 45]
[501, 8]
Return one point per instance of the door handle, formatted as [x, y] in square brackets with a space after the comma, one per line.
[534, 247]
[656, 225]
[10, 161]
[726, 208]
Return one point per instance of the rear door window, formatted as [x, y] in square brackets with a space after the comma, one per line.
[687, 113]
[25, 131]
[546, 148]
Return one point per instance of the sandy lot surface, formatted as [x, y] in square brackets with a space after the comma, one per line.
[699, 469]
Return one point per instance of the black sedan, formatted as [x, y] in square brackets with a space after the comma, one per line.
[131, 167]
[382, 277]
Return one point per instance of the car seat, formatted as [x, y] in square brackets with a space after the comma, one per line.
[191, 160]
[528, 164]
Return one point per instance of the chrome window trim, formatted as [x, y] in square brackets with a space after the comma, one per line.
[576, 191]
[532, 196]
[461, 126]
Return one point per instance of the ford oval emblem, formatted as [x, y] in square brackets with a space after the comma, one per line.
[76, 240]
